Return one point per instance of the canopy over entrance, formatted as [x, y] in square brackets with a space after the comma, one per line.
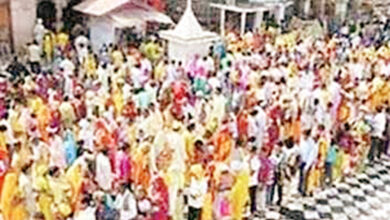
[123, 13]
[106, 16]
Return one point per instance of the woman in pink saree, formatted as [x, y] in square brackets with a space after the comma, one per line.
[122, 165]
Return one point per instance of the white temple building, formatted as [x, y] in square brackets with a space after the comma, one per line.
[258, 7]
[188, 38]
[105, 17]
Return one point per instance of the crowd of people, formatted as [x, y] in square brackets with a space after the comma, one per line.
[128, 134]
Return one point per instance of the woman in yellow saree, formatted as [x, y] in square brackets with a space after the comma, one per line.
[74, 176]
[239, 196]
[48, 46]
[117, 97]
[313, 179]
[43, 116]
[337, 166]
[207, 209]
[8, 195]
[44, 203]
[18, 211]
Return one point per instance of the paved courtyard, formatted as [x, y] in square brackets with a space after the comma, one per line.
[363, 196]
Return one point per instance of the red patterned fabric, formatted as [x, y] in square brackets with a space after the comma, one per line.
[157, 4]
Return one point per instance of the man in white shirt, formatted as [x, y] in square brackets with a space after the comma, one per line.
[39, 31]
[104, 176]
[171, 72]
[126, 204]
[34, 57]
[81, 45]
[308, 153]
[137, 76]
[210, 64]
[67, 66]
[86, 133]
[197, 192]
[103, 75]
[377, 136]
[86, 211]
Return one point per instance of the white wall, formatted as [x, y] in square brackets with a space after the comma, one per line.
[341, 9]
[23, 15]
[184, 52]
[102, 31]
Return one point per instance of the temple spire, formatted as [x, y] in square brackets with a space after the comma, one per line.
[189, 5]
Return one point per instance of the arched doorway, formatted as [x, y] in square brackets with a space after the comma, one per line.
[46, 10]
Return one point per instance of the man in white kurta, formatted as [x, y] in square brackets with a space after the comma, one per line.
[178, 165]
[104, 176]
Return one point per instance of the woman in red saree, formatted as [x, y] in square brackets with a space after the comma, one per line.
[104, 136]
[273, 133]
[55, 121]
[130, 110]
[179, 93]
[160, 199]
[242, 125]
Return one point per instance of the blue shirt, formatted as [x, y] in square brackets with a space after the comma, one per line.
[70, 148]
[143, 100]
[332, 155]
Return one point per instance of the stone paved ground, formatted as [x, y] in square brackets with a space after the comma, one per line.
[363, 196]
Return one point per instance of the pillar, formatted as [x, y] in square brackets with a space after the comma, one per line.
[281, 13]
[341, 9]
[243, 22]
[306, 8]
[322, 8]
[59, 6]
[258, 20]
[222, 22]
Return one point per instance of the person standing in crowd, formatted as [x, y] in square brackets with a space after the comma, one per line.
[266, 179]
[254, 182]
[291, 177]
[104, 175]
[126, 203]
[81, 45]
[308, 155]
[280, 161]
[39, 32]
[387, 133]
[197, 192]
[329, 162]
[377, 136]
[34, 57]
